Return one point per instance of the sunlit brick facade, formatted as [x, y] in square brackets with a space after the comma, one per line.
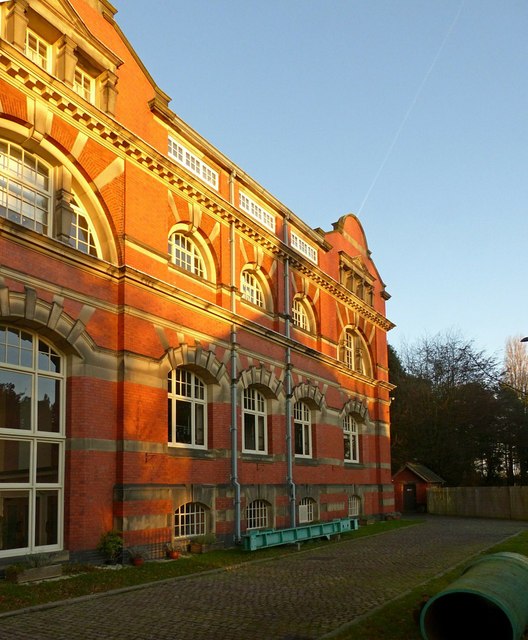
[179, 352]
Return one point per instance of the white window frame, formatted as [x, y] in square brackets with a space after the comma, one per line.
[351, 439]
[27, 198]
[26, 356]
[185, 254]
[84, 84]
[251, 288]
[192, 163]
[300, 317]
[190, 519]
[254, 421]
[82, 233]
[354, 352]
[247, 204]
[303, 247]
[302, 423]
[257, 515]
[307, 510]
[25, 188]
[39, 51]
[354, 506]
[186, 388]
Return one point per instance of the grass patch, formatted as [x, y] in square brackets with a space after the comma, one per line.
[85, 580]
[397, 621]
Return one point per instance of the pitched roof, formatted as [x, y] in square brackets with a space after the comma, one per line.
[423, 472]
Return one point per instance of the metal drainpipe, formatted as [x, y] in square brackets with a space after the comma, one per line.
[288, 383]
[234, 423]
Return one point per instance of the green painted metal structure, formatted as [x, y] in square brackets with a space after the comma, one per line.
[259, 539]
[488, 601]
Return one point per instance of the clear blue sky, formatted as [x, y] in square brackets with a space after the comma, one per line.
[413, 114]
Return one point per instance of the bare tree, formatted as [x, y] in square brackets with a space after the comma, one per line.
[516, 366]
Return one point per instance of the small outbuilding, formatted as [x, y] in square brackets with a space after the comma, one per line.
[411, 482]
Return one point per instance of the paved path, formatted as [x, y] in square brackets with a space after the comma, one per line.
[299, 597]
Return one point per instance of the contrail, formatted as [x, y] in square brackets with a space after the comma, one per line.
[411, 106]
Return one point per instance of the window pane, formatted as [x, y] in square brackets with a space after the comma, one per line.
[199, 423]
[183, 422]
[48, 404]
[261, 434]
[48, 462]
[14, 461]
[249, 432]
[46, 518]
[298, 439]
[15, 400]
[348, 452]
[14, 511]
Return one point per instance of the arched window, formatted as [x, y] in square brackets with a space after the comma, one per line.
[82, 235]
[303, 430]
[258, 515]
[307, 508]
[190, 520]
[251, 288]
[354, 506]
[351, 439]
[27, 198]
[185, 254]
[354, 353]
[300, 315]
[31, 443]
[254, 435]
[187, 409]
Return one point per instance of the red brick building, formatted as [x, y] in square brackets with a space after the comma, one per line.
[179, 352]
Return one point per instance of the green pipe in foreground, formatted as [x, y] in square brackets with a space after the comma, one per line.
[489, 601]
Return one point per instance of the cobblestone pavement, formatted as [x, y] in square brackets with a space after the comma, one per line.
[300, 597]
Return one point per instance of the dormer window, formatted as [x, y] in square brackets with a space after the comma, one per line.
[38, 50]
[356, 278]
[83, 84]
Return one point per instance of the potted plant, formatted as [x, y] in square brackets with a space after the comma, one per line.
[171, 551]
[111, 546]
[137, 557]
[201, 544]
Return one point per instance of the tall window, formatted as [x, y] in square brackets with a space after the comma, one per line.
[258, 514]
[354, 506]
[354, 353]
[26, 198]
[25, 189]
[350, 436]
[83, 84]
[31, 443]
[187, 409]
[190, 520]
[82, 235]
[303, 430]
[300, 316]
[37, 50]
[251, 288]
[185, 254]
[307, 510]
[255, 438]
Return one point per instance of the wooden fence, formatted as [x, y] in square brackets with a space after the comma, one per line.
[509, 503]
